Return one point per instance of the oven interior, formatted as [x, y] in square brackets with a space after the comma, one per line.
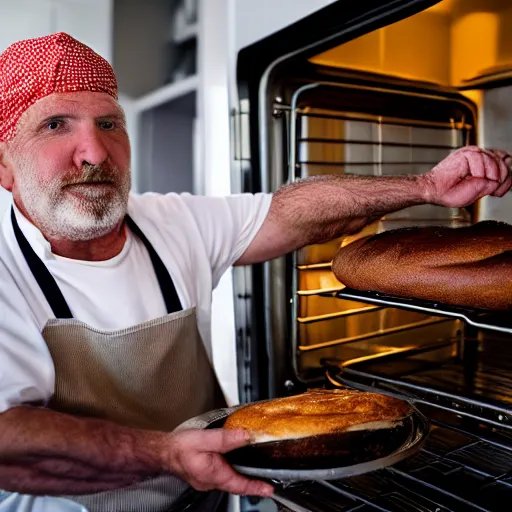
[396, 100]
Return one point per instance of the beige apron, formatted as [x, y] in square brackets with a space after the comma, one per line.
[153, 376]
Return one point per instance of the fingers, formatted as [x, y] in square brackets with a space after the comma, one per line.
[503, 160]
[223, 476]
[503, 188]
[483, 163]
[490, 168]
[195, 456]
[469, 174]
[208, 471]
[503, 170]
[246, 487]
[475, 163]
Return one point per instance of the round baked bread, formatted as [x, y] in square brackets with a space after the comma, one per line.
[318, 412]
[469, 266]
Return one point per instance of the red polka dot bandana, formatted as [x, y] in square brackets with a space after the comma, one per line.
[35, 68]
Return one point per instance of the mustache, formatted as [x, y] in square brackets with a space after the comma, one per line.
[93, 174]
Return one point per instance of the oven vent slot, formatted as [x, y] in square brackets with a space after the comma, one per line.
[375, 334]
[338, 314]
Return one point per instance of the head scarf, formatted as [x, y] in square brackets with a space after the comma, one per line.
[34, 68]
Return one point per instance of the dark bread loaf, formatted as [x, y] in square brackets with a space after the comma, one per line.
[470, 266]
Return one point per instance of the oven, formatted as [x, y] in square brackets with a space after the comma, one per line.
[379, 88]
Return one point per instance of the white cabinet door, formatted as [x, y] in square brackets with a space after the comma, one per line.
[24, 19]
[89, 21]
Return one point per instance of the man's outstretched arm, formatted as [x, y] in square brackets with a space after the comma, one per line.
[322, 208]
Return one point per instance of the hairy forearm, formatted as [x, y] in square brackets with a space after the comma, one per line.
[318, 209]
[45, 452]
[325, 207]
[33, 480]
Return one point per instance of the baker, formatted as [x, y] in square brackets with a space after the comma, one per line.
[105, 295]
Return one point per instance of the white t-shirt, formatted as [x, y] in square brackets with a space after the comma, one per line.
[197, 238]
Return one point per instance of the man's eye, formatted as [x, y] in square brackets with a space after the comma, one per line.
[107, 125]
[53, 125]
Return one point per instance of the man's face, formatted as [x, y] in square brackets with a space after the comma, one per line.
[69, 165]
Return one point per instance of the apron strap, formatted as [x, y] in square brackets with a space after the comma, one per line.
[52, 291]
[171, 299]
[42, 275]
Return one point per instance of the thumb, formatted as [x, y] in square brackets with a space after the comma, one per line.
[224, 440]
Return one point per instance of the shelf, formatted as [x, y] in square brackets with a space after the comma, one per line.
[167, 93]
[490, 320]
[189, 32]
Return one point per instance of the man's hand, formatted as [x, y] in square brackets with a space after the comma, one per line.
[195, 456]
[467, 175]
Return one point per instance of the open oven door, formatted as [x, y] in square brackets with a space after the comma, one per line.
[297, 114]
[268, 72]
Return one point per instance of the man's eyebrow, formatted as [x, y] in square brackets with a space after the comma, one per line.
[57, 116]
[109, 115]
[112, 115]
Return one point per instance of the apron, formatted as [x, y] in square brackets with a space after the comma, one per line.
[154, 375]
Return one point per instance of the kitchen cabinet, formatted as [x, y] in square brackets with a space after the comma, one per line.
[155, 58]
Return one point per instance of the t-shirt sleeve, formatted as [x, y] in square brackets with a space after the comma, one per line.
[227, 225]
[26, 368]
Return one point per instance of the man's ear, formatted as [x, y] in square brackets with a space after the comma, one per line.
[6, 170]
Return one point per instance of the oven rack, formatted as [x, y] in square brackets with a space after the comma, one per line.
[470, 408]
[482, 319]
[457, 470]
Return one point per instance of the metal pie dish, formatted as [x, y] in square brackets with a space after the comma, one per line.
[331, 456]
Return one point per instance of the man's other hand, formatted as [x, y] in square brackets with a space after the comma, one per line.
[467, 175]
[196, 457]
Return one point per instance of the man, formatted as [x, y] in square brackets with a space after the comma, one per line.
[105, 296]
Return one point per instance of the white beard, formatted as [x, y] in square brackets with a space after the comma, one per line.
[61, 215]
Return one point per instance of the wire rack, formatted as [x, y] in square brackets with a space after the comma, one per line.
[326, 141]
[455, 471]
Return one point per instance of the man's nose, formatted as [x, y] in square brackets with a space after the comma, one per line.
[91, 148]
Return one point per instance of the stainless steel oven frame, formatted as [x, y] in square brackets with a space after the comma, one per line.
[465, 389]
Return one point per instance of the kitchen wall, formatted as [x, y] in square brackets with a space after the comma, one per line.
[496, 132]
[256, 20]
